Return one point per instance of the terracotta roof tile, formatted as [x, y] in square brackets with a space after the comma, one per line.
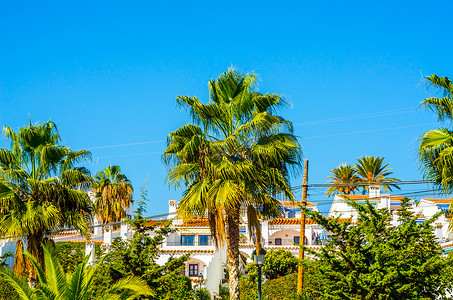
[194, 223]
[296, 203]
[153, 222]
[438, 200]
[289, 221]
[278, 247]
[186, 251]
[87, 241]
[363, 197]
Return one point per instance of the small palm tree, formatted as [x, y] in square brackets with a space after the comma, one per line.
[238, 154]
[436, 146]
[372, 169]
[55, 284]
[113, 194]
[41, 188]
[344, 174]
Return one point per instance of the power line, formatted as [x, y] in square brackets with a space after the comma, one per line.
[124, 145]
[132, 154]
[367, 131]
[361, 116]
[361, 184]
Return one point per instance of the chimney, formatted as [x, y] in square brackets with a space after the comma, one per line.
[171, 209]
[374, 191]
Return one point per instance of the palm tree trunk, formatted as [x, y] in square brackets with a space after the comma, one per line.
[233, 252]
[20, 266]
[34, 247]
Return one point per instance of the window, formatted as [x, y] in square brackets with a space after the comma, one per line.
[292, 214]
[203, 240]
[193, 270]
[187, 240]
[296, 239]
[278, 241]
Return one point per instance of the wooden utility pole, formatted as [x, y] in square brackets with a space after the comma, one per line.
[300, 273]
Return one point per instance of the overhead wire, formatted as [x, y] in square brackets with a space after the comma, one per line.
[360, 116]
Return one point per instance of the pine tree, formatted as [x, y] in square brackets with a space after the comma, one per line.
[374, 259]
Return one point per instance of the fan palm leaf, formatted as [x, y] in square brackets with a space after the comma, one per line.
[236, 154]
[372, 169]
[55, 284]
[37, 186]
[113, 194]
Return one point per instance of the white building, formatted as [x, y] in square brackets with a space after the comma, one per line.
[425, 208]
[194, 236]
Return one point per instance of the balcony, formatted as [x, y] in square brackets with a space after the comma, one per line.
[193, 243]
[192, 240]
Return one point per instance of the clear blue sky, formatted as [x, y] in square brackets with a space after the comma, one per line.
[108, 72]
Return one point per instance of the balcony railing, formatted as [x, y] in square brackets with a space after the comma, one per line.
[289, 242]
[195, 243]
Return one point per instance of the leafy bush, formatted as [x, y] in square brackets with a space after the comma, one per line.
[70, 254]
[138, 256]
[6, 291]
[285, 287]
[277, 263]
[205, 295]
[375, 259]
[224, 292]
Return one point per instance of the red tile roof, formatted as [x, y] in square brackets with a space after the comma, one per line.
[279, 247]
[186, 251]
[438, 200]
[289, 221]
[296, 203]
[194, 223]
[363, 197]
[87, 241]
[153, 222]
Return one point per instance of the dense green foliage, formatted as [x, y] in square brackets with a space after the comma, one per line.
[38, 180]
[138, 257]
[54, 283]
[236, 153]
[436, 145]
[70, 254]
[277, 263]
[7, 292]
[368, 169]
[282, 288]
[113, 194]
[376, 260]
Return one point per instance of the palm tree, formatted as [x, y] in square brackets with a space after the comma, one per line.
[113, 194]
[344, 174]
[237, 154]
[40, 188]
[436, 146]
[372, 169]
[55, 284]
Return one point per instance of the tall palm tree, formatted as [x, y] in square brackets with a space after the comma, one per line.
[237, 154]
[343, 174]
[55, 284]
[113, 194]
[372, 169]
[40, 188]
[436, 146]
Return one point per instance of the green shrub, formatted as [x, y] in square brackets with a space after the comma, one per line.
[277, 263]
[205, 295]
[6, 291]
[282, 288]
[224, 292]
[70, 254]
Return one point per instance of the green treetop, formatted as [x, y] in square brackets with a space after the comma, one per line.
[374, 259]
